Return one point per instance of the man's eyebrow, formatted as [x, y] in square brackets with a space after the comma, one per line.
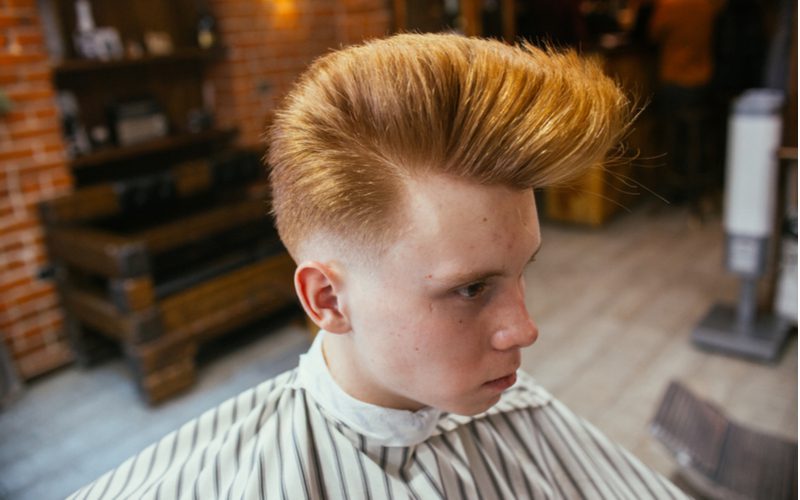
[472, 277]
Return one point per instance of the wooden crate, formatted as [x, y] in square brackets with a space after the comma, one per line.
[593, 198]
[201, 262]
[602, 192]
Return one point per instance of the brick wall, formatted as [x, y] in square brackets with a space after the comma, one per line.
[269, 43]
[32, 167]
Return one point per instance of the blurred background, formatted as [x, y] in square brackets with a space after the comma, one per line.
[141, 281]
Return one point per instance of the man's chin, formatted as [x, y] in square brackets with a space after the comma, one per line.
[473, 409]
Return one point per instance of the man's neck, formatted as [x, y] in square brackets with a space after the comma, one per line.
[352, 378]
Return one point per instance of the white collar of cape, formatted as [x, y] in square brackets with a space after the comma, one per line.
[391, 427]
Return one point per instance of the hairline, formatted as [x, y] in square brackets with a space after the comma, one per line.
[337, 246]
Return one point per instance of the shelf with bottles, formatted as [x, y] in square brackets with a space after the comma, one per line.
[190, 55]
[86, 35]
[163, 144]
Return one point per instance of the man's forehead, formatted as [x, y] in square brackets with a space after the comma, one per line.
[452, 223]
[436, 199]
[444, 225]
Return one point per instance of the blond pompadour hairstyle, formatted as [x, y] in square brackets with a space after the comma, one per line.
[361, 120]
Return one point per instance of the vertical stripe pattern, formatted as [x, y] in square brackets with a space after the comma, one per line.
[276, 442]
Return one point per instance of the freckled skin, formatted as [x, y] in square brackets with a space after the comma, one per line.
[415, 341]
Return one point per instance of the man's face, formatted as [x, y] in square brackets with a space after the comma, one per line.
[441, 316]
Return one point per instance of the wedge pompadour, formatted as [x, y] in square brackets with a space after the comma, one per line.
[362, 119]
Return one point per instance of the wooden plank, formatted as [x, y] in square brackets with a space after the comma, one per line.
[192, 177]
[96, 312]
[170, 143]
[132, 294]
[104, 200]
[508, 9]
[90, 347]
[163, 384]
[88, 203]
[471, 13]
[111, 255]
[102, 315]
[592, 199]
[201, 226]
[400, 17]
[98, 251]
[213, 304]
[160, 353]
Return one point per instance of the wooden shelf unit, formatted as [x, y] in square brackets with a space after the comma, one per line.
[167, 243]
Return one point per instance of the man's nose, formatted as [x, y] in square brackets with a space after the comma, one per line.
[516, 328]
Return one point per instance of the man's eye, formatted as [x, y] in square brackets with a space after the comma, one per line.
[472, 291]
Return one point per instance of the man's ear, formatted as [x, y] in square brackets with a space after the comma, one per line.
[318, 287]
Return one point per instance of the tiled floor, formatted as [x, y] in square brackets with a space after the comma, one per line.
[615, 308]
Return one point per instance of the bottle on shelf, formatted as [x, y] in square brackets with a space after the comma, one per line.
[206, 31]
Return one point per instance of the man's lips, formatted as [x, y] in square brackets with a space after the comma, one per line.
[502, 383]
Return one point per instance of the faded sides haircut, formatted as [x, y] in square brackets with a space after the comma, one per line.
[363, 119]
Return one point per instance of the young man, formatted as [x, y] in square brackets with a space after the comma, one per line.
[403, 174]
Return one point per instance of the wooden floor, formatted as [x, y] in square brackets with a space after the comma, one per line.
[69, 428]
[615, 308]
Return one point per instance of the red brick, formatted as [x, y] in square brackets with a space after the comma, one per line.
[14, 264]
[37, 130]
[53, 147]
[14, 117]
[16, 154]
[17, 59]
[32, 332]
[9, 79]
[10, 243]
[30, 186]
[18, 225]
[21, 347]
[21, 4]
[30, 39]
[62, 181]
[25, 313]
[6, 209]
[38, 75]
[10, 19]
[41, 260]
[32, 311]
[53, 316]
[6, 286]
[41, 167]
[51, 112]
[27, 95]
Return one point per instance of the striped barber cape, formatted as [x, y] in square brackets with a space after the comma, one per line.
[300, 436]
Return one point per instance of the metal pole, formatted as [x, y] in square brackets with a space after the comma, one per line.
[746, 310]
